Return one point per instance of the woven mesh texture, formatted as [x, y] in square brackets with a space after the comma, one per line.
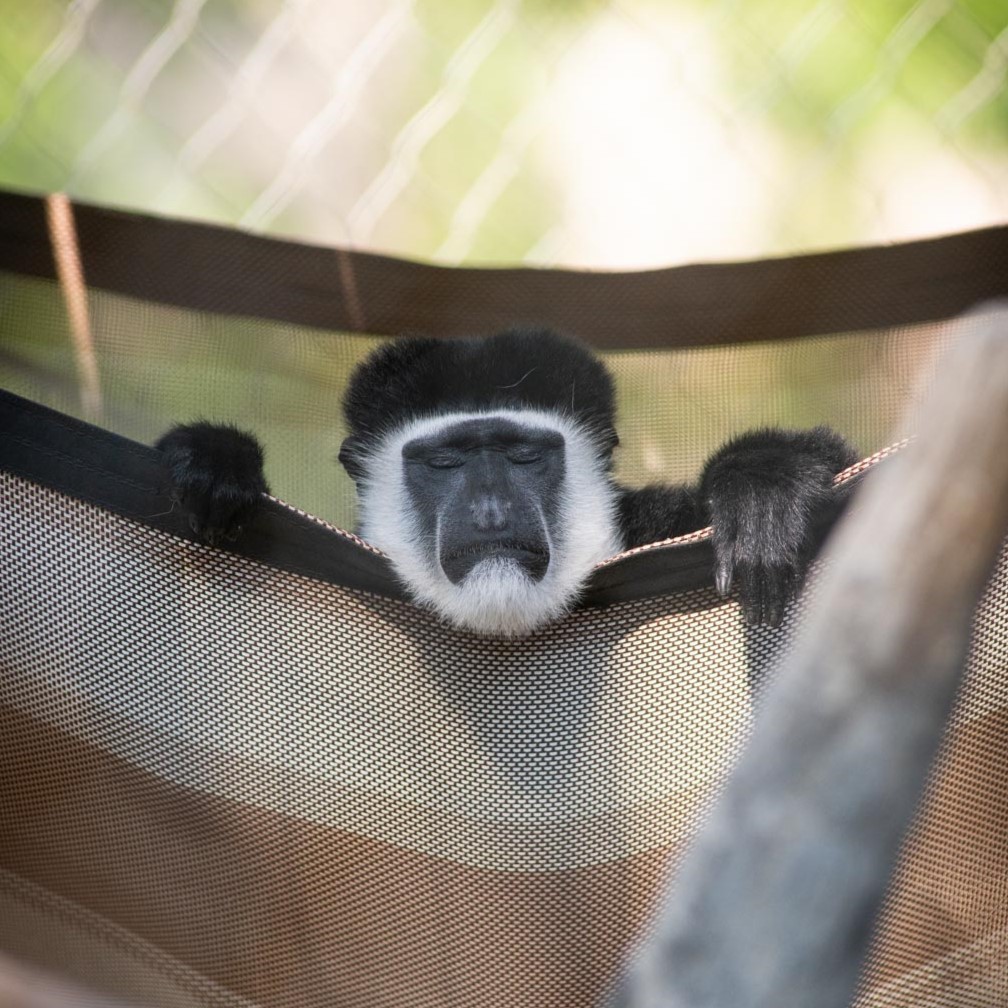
[159, 365]
[226, 784]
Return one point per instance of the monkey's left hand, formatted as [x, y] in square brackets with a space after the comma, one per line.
[762, 493]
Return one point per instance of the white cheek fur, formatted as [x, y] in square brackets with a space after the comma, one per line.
[497, 597]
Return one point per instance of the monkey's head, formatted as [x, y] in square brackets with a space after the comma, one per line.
[482, 469]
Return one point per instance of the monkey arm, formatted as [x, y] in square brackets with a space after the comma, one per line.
[763, 493]
[657, 512]
[216, 475]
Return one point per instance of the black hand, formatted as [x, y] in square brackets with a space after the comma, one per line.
[216, 475]
[764, 492]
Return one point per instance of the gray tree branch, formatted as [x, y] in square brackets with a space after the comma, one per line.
[774, 905]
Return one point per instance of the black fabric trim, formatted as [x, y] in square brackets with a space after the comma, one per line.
[112, 472]
[209, 268]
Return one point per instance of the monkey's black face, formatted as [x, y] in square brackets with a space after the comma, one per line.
[486, 489]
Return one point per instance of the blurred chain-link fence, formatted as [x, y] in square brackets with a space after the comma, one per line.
[620, 133]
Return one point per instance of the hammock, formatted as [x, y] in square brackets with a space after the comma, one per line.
[262, 777]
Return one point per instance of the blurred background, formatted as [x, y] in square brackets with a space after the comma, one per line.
[606, 134]
[590, 133]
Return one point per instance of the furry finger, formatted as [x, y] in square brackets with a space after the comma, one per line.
[774, 611]
[751, 594]
[723, 577]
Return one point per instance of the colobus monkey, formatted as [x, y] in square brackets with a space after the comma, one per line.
[483, 471]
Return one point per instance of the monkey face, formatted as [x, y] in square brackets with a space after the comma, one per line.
[494, 520]
[486, 493]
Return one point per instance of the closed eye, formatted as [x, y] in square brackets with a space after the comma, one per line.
[524, 457]
[444, 461]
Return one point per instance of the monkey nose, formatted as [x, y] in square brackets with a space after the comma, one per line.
[490, 514]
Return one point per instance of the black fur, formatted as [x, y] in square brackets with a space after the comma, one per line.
[762, 492]
[216, 475]
[520, 368]
[658, 512]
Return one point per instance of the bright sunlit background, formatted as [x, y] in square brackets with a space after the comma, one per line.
[606, 134]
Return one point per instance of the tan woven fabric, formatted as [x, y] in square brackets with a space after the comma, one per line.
[227, 784]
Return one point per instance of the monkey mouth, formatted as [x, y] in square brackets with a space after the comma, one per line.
[533, 558]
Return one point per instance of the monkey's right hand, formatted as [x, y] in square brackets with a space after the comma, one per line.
[216, 476]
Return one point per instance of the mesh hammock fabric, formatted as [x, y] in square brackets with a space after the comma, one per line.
[262, 777]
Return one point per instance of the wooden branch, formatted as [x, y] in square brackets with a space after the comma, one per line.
[774, 905]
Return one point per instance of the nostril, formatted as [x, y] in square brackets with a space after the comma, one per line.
[490, 514]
